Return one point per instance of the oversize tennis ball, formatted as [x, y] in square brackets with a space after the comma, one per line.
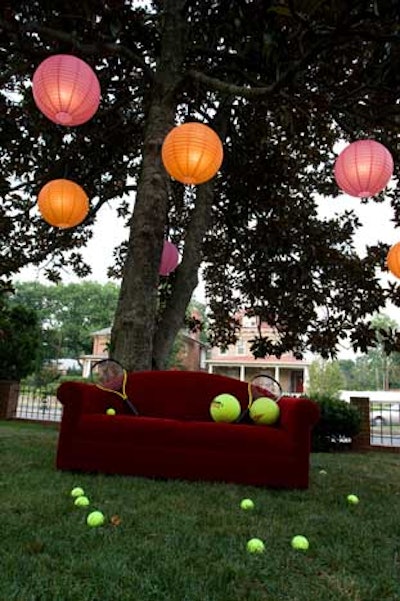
[353, 499]
[95, 519]
[255, 545]
[247, 504]
[81, 501]
[77, 492]
[225, 408]
[111, 411]
[300, 542]
[264, 411]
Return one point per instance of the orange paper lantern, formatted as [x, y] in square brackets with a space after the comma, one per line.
[363, 168]
[393, 259]
[66, 89]
[192, 153]
[63, 203]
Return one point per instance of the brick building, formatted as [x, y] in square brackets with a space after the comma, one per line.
[191, 353]
[238, 362]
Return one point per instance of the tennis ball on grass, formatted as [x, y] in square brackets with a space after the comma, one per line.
[255, 545]
[95, 518]
[111, 411]
[77, 492]
[353, 499]
[225, 408]
[264, 411]
[247, 504]
[81, 501]
[300, 542]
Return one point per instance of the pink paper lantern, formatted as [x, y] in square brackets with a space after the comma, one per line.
[363, 168]
[66, 89]
[169, 258]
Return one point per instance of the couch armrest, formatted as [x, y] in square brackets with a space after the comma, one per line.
[298, 415]
[78, 398]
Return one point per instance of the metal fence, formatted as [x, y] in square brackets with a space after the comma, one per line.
[38, 404]
[385, 423]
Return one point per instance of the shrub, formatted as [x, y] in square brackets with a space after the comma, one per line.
[338, 424]
[19, 341]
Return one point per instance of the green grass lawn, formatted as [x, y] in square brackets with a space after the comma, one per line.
[181, 541]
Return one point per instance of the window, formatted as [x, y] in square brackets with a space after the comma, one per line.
[249, 322]
[240, 347]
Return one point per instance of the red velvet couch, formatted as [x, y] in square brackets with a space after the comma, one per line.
[174, 436]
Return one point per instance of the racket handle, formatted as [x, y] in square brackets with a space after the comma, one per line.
[242, 417]
[132, 407]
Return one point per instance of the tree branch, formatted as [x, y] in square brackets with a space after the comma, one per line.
[86, 49]
[230, 89]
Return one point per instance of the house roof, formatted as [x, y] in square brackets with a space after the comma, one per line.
[103, 332]
[107, 332]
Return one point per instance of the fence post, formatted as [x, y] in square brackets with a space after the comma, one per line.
[362, 442]
[9, 390]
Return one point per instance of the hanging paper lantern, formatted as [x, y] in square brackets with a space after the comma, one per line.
[63, 203]
[169, 258]
[66, 89]
[393, 259]
[363, 168]
[192, 153]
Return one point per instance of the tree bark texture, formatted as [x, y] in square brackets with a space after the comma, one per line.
[133, 328]
[186, 280]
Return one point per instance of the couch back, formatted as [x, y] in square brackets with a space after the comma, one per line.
[180, 394]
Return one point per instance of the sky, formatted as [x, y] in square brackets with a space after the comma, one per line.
[109, 231]
[377, 225]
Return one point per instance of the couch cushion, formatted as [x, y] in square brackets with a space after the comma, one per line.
[185, 395]
[147, 431]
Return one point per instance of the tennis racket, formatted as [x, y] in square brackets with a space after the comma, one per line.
[261, 385]
[109, 375]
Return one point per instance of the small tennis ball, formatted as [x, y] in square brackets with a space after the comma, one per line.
[95, 518]
[111, 411]
[264, 411]
[247, 504]
[225, 408]
[300, 542]
[77, 492]
[81, 501]
[323, 472]
[353, 499]
[255, 545]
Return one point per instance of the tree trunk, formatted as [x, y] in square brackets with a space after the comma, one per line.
[133, 328]
[186, 278]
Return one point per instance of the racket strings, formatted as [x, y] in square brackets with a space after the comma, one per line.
[110, 376]
[264, 386]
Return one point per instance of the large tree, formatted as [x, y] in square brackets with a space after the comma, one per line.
[280, 81]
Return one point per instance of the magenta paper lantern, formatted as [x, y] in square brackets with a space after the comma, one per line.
[363, 168]
[66, 89]
[169, 258]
